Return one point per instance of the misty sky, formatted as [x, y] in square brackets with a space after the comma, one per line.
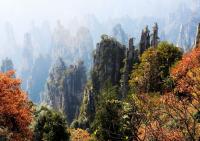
[22, 13]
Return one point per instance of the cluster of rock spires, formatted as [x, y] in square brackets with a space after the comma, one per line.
[112, 62]
[148, 39]
[179, 28]
[39, 51]
[64, 88]
[67, 88]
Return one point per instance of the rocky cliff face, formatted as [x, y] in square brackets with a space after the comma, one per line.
[107, 62]
[132, 57]
[108, 59]
[87, 109]
[144, 40]
[154, 36]
[197, 40]
[112, 63]
[64, 88]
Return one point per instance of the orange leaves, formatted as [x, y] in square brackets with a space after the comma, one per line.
[155, 131]
[168, 118]
[15, 110]
[183, 112]
[185, 72]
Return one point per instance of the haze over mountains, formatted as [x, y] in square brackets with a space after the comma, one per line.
[100, 70]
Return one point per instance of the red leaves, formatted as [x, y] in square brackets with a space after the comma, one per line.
[15, 110]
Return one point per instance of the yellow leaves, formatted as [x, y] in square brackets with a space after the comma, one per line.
[80, 135]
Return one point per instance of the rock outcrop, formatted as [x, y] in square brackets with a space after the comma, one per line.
[154, 36]
[132, 57]
[148, 40]
[144, 40]
[107, 62]
[64, 88]
[112, 64]
[87, 109]
[197, 41]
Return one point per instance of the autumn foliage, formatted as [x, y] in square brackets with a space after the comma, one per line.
[175, 114]
[186, 73]
[186, 77]
[80, 135]
[157, 124]
[15, 109]
[167, 118]
[171, 116]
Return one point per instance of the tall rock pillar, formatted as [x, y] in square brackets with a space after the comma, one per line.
[154, 36]
[197, 41]
[145, 40]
